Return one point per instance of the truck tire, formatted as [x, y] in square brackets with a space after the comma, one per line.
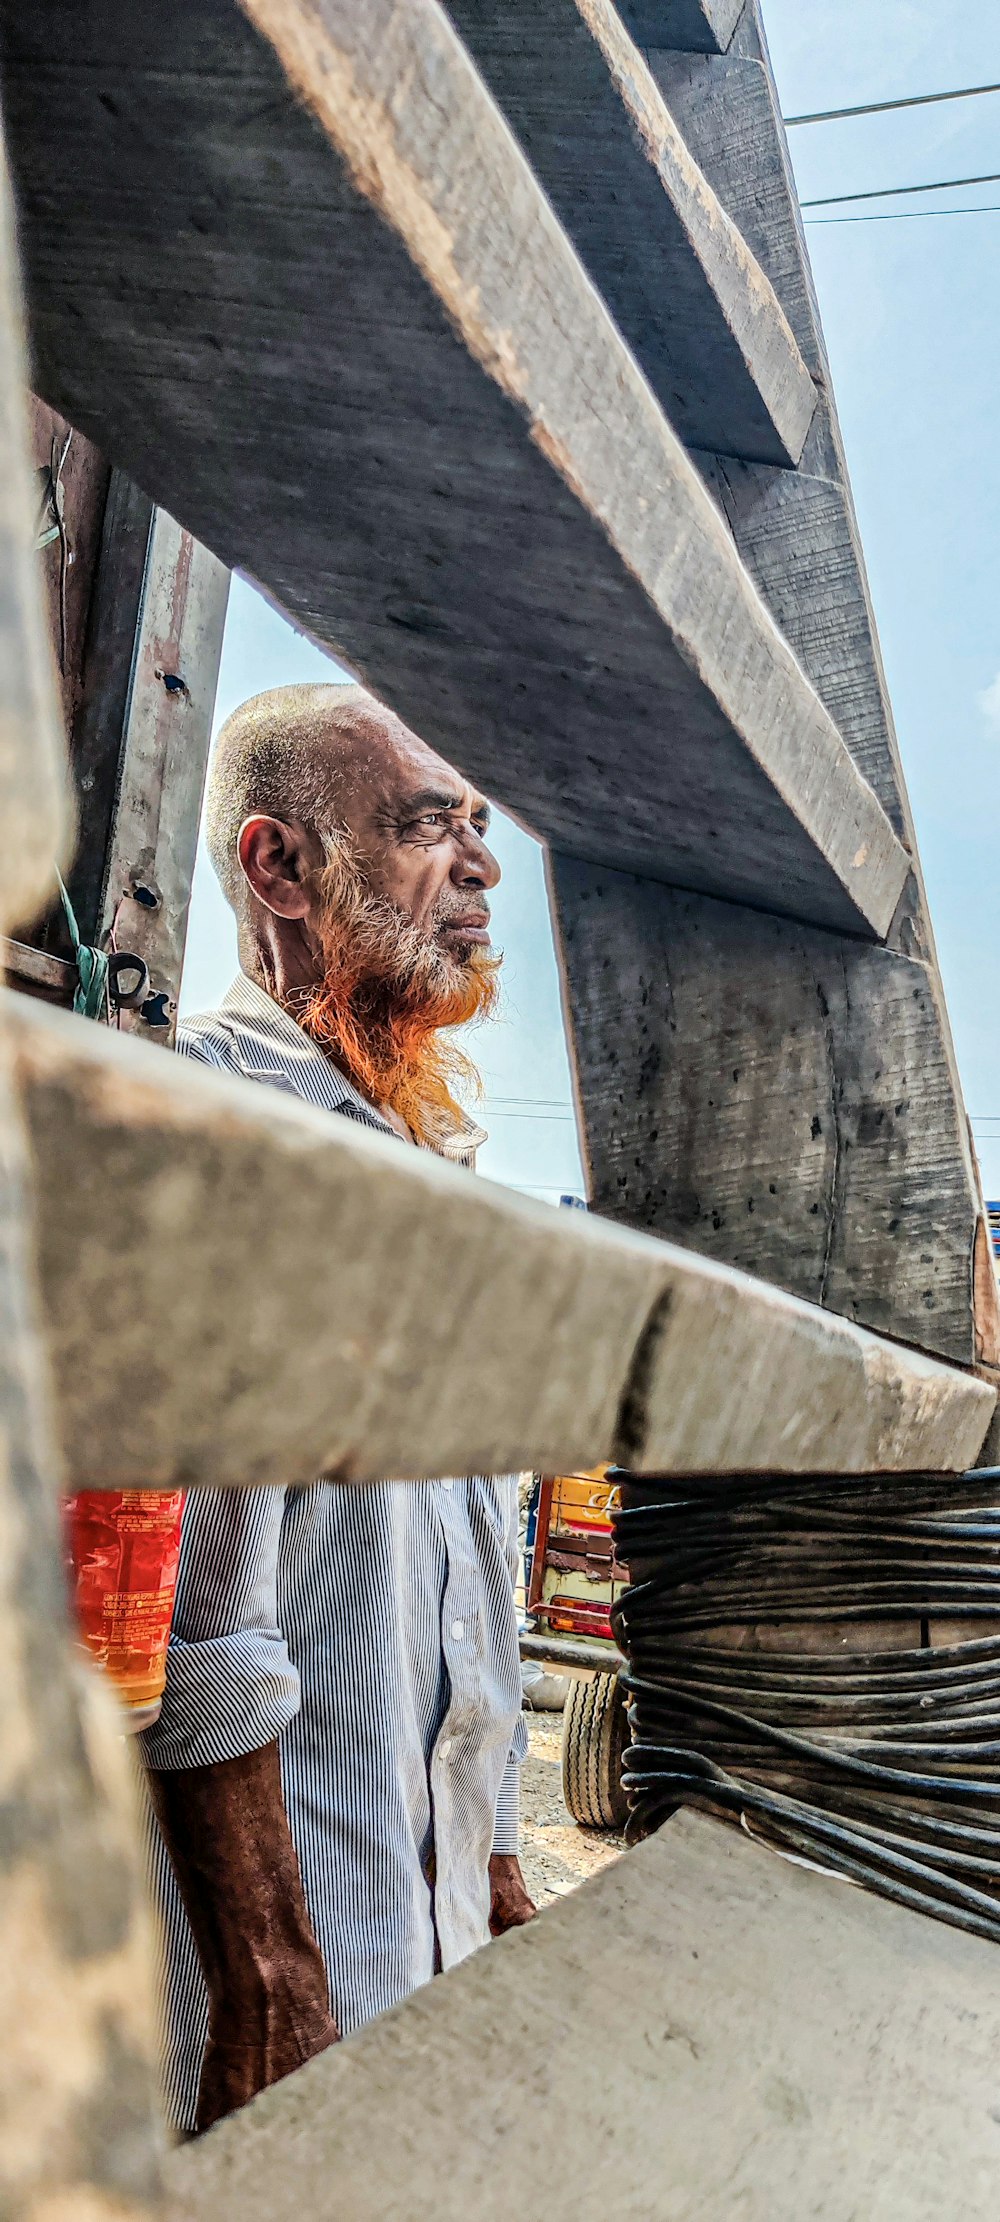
[595, 1733]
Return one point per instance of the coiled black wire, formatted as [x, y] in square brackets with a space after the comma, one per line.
[878, 1764]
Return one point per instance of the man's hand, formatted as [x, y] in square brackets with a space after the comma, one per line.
[227, 1833]
[510, 1905]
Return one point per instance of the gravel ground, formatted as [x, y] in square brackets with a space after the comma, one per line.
[555, 1853]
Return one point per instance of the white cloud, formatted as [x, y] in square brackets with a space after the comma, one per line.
[989, 703]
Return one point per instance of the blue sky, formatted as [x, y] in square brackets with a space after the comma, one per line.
[911, 315]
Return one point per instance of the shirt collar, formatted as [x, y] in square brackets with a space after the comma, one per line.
[257, 1014]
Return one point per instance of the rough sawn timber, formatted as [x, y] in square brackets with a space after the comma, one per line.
[76, 2128]
[692, 26]
[774, 1097]
[270, 1286]
[713, 2031]
[701, 318]
[165, 748]
[789, 1107]
[443, 458]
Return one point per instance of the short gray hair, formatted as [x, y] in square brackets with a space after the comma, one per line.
[277, 755]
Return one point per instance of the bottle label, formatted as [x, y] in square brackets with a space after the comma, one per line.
[123, 1547]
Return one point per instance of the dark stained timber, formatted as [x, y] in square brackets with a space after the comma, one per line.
[768, 1096]
[440, 456]
[775, 1098]
[692, 26]
[703, 321]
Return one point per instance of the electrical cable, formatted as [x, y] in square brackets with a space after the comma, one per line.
[890, 192]
[879, 1764]
[882, 107]
[902, 216]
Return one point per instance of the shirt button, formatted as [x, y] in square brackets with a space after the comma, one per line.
[458, 1630]
[447, 1485]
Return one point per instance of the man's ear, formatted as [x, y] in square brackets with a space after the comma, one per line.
[277, 862]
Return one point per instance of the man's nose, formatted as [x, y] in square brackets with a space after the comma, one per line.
[475, 865]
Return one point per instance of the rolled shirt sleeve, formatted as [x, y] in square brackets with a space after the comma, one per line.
[231, 1684]
[507, 1827]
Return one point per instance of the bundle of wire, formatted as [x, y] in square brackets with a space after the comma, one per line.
[878, 1763]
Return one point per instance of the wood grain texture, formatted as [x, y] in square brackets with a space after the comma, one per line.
[270, 1284]
[796, 532]
[164, 759]
[68, 575]
[702, 320]
[99, 725]
[776, 1098]
[750, 1168]
[34, 800]
[474, 497]
[76, 2089]
[702, 2031]
[76, 2130]
[691, 26]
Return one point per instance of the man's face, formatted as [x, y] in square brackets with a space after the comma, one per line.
[418, 837]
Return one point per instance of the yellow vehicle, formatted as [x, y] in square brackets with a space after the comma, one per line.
[573, 1583]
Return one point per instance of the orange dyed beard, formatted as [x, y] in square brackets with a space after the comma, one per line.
[389, 988]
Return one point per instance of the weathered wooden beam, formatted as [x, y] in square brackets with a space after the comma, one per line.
[690, 26]
[702, 320]
[261, 1274]
[165, 749]
[777, 1098]
[778, 1102]
[98, 732]
[796, 532]
[701, 2030]
[38, 973]
[76, 2132]
[523, 560]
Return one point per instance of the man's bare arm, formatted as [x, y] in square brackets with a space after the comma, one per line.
[227, 1834]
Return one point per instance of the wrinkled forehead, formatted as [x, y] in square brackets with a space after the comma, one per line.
[387, 769]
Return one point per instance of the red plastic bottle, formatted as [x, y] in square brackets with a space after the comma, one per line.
[123, 1550]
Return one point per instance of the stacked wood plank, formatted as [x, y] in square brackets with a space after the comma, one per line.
[76, 2125]
[700, 2031]
[482, 507]
[562, 478]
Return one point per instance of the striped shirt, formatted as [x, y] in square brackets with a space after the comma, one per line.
[372, 1629]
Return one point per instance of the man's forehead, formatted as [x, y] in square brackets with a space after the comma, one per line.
[392, 765]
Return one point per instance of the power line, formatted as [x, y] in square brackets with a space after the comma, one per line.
[882, 107]
[903, 216]
[890, 192]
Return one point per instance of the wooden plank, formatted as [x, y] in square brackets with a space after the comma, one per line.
[76, 2133]
[34, 807]
[78, 476]
[168, 732]
[691, 26]
[260, 1271]
[98, 734]
[93, 574]
[776, 1098]
[38, 973]
[702, 320]
[888, 1227]
[524, 561]
[700, 2031]
[797, 534]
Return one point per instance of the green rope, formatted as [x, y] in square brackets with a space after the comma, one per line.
[91, 997]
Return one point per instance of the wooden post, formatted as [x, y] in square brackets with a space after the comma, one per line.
[76, 2126]
[168, 730]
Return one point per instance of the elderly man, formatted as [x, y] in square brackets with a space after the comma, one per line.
[335, 1768]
